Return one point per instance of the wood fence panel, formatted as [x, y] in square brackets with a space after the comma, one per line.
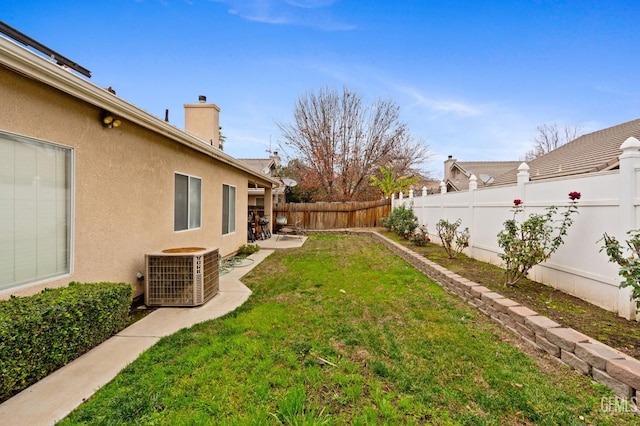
[365, 214]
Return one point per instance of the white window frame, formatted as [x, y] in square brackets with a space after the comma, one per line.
[229, 209]
[61, 230]
[191, 213]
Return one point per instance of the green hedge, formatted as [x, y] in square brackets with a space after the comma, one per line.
[41, 333]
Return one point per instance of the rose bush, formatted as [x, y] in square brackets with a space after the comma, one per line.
[532, 241]
[629, 265]
[453, 241]
[420, 236]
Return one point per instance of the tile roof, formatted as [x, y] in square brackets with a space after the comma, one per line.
[258, 163]
[590, 153]
[484, 170]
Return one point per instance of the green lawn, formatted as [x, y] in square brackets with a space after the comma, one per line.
[343, 332]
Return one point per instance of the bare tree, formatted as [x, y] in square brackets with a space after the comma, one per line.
[343, 142]
[550, 137]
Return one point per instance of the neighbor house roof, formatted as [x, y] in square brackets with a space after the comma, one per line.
[41, 69]
[590, 153]
[262, 164]
[485, 172]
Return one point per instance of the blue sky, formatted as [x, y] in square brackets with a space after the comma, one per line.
[473, 79]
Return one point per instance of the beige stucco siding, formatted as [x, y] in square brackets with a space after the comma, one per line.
[123, 184]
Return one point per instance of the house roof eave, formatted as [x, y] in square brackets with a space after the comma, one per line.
[450, 183]
[456, 165]
[40, 69]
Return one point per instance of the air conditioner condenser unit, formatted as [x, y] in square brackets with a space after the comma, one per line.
[185, 276]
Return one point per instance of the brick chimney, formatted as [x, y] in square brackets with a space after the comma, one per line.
[203, 120]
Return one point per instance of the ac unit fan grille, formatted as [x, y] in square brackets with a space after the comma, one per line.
[210, 276]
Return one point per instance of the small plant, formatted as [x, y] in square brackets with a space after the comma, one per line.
[401, 221]
[420, 236]
[629, 266]
[247, 249]
[453, 241]
[531, 242]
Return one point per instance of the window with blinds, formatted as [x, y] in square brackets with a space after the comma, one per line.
[35, 210]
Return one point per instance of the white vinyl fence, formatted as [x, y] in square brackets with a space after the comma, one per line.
[610, 203]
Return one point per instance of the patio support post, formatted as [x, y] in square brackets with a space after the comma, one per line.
[268, 206]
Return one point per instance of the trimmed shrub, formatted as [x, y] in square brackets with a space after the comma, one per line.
[248, 249]
[402, 221]
[41, 333]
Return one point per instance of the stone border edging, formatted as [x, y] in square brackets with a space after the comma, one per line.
[606, 365]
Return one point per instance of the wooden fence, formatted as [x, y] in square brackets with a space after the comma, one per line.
[365, 214]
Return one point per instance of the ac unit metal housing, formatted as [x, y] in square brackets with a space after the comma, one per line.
[181, 277]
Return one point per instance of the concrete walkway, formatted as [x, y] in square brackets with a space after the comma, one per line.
[54, 397]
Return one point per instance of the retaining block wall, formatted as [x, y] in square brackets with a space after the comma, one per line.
[606, 365]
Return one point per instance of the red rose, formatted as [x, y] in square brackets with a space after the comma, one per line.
[517, 202]
[574, 195]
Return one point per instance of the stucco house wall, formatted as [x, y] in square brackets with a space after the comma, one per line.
[122, 179]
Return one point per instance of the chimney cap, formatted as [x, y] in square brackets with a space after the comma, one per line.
[202, 98]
